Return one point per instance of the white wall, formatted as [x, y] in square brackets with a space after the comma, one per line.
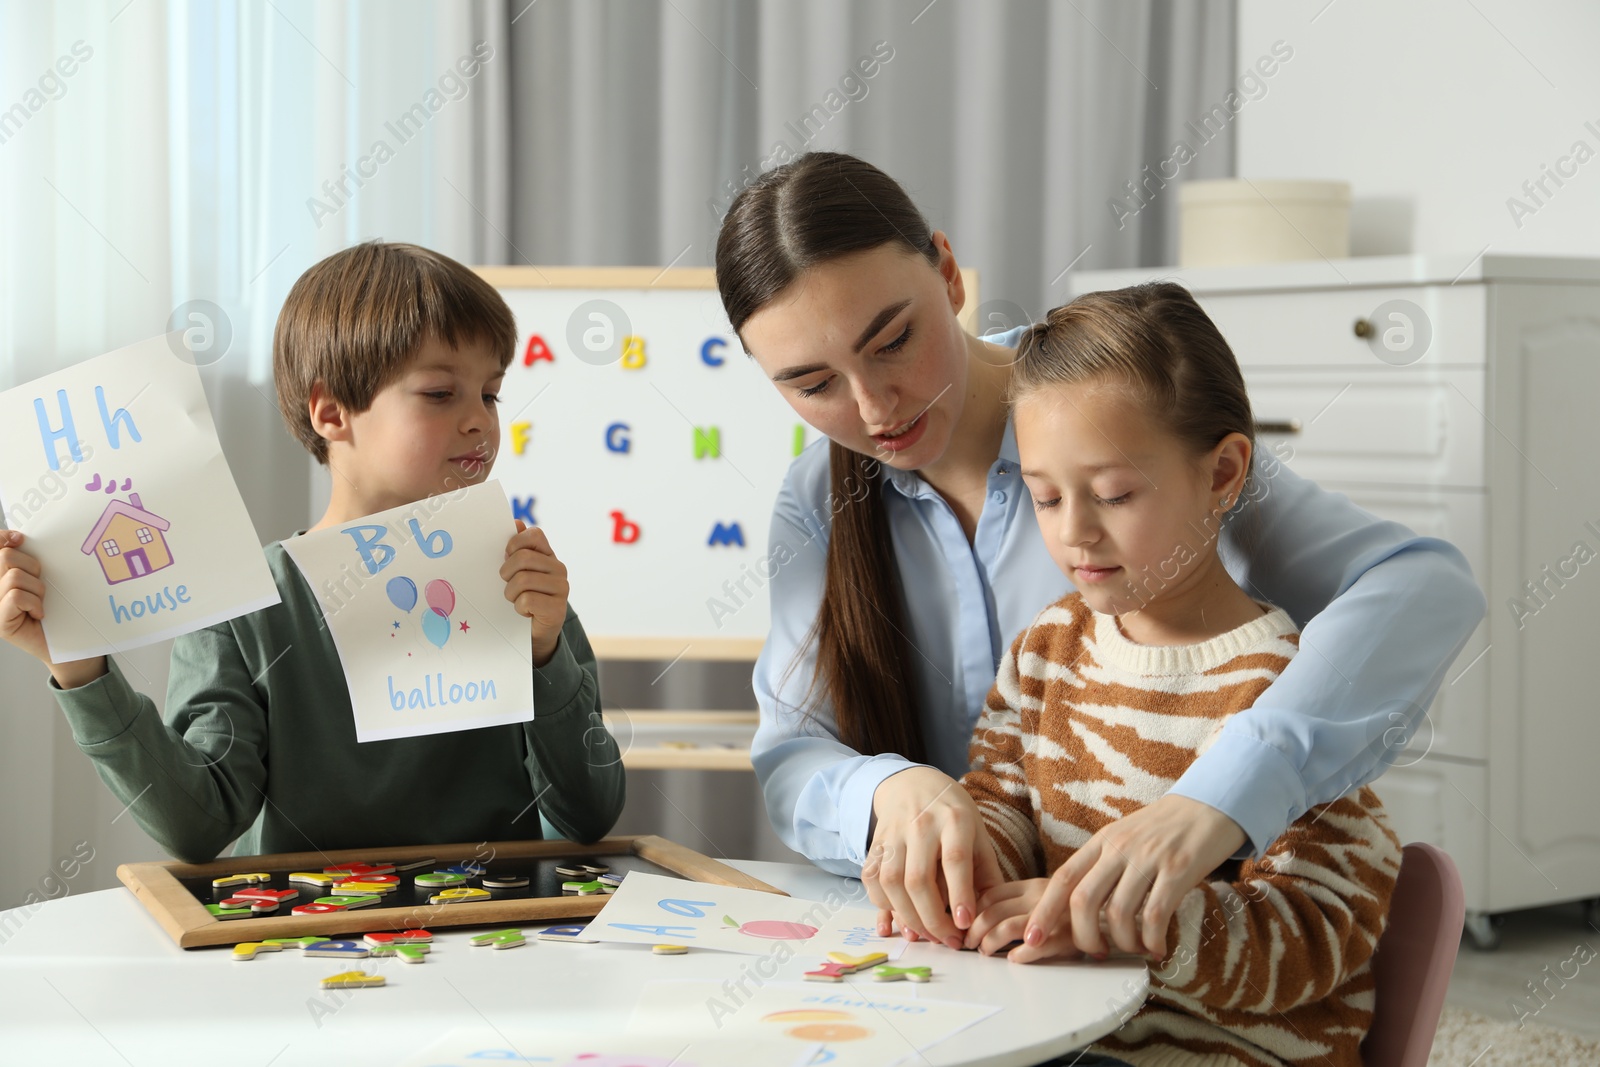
[1436, 112]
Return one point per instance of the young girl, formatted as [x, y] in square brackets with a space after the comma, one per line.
[1135, 438]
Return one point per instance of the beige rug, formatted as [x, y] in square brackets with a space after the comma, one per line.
[1467, 1039]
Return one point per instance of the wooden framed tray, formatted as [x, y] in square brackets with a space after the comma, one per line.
[176, 894]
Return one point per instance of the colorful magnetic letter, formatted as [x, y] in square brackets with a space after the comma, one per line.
[709, 350]
[633, 356]
[380, 938]
[707, 442]
[617, 439]
[240, 879]
[437, 879]
[348, 950]
[520, 432]
[317, 908]
[722, 534]
[910, 974]
[459, 896]
[316, 878]
[623, 532]
[857, 963]
[353, 980]
[248, 949]
[499, 939]
[467, 867]
[536, 351]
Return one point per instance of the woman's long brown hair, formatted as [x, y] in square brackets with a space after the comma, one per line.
[795, 217]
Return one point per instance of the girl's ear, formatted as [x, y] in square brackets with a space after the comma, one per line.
[954, 284]
[329, 419]
[1230, 466]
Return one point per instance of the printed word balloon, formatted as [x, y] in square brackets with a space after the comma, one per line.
[402, 593]
[441, 597]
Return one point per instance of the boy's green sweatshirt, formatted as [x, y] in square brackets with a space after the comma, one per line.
[259, 740]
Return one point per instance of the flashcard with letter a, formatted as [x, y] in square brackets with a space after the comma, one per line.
[113, 472]
[416, 606]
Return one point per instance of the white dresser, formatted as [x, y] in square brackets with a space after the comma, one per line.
[1489, 438]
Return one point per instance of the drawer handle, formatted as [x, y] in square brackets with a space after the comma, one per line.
[1364, 328]
[1284, 427]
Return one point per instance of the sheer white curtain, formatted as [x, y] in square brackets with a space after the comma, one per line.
[203, 151]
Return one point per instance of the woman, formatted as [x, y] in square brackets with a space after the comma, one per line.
[907, 558]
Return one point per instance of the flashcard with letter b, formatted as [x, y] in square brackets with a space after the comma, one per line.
[414, 600]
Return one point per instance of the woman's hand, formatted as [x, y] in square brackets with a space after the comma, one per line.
[1003, 912]
[1137, 869]
[930, 855]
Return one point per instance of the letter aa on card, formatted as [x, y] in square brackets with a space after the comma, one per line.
[417, 609]
[113, 470]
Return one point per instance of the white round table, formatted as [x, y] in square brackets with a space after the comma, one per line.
[92, 979]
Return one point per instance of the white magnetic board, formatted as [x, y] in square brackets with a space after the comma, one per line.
[650, 448]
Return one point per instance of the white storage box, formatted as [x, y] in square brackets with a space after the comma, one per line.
[1234, 220]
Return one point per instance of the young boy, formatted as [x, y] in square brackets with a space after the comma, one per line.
[388, 359]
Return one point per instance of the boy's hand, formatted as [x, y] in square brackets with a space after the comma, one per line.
[536, 583]
[22, 613]
[1002, 918]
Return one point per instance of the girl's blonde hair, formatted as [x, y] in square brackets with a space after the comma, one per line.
[1155, 339]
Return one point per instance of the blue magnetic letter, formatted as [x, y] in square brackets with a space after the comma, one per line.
[708, 352]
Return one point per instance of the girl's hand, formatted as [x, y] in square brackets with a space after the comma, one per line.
[930, 850]
[1003, 913]
[536, 583]
[1137, 869]
[22, 613]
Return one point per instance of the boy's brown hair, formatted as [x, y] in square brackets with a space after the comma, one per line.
[354, 320]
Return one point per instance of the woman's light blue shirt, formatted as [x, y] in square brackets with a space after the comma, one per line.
[1382, 613]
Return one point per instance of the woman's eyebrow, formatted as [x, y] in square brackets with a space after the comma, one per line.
[791, 373]
[879, 321]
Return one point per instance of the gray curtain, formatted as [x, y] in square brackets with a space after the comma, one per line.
[1014, 125]
[1017, 127]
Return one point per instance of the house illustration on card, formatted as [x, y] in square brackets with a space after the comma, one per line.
[128, 541]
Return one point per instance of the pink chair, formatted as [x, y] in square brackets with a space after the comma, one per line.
[1415, 955]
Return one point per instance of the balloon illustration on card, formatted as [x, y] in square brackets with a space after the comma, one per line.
[439, 595]
[436, 620]
[403, 593]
